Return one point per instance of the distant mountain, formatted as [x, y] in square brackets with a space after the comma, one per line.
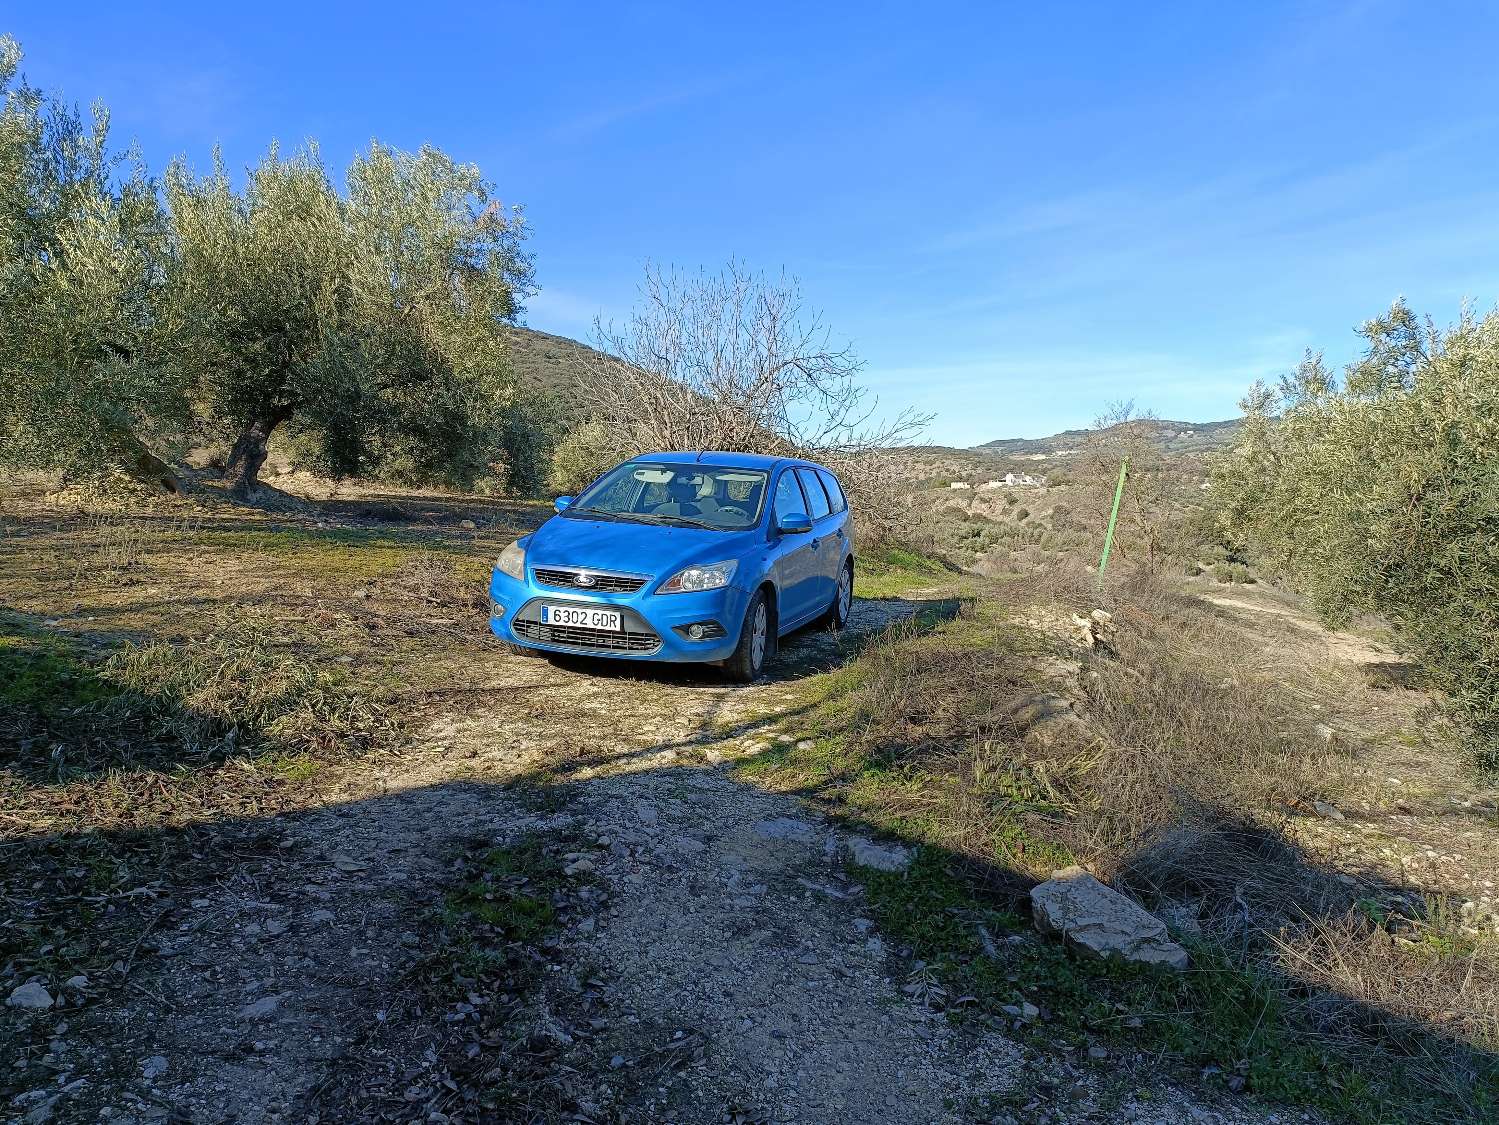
[1173, 437]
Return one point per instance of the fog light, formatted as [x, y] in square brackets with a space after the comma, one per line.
[496, 609]
[700, 631]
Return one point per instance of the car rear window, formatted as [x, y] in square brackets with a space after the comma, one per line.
[835, 493]
[816, 496]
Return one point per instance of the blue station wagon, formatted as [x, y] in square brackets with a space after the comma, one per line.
[682, 556]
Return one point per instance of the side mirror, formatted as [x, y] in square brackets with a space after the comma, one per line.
[794, 523]
[562, 503]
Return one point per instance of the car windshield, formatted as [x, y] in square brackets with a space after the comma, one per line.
[710, 496]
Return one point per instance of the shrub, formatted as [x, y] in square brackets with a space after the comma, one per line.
[1232, 572]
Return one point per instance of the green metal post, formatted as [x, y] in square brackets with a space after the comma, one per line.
[1108, 538]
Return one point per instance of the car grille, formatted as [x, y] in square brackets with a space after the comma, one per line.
[603, 583]
[594, 640]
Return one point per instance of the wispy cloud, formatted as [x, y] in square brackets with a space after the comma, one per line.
[603, 118]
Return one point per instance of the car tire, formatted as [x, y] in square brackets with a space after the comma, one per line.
[756, 642]
[523, 650]
[836, 616]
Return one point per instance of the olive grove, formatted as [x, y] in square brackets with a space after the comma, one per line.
[1378, 492]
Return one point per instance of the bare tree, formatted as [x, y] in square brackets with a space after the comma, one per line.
[735, 361]
[1149, 516]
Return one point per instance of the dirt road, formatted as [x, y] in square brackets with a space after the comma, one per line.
[714, 961]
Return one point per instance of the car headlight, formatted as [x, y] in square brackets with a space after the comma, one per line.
[512, 561]
[709, 577]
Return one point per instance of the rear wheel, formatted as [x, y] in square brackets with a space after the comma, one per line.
[756, 640]
[836, 616]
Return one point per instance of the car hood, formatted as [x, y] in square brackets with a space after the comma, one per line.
[634, 548]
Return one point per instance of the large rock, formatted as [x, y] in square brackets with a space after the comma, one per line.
[866, 853]
[1102, 921]
[32, 997]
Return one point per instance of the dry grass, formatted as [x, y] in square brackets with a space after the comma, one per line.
[1177, 777]
[1430, 973]
[1199, 761]
[167, 732]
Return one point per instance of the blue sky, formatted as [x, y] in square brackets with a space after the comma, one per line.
[1016, 212]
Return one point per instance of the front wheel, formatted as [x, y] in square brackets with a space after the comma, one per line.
[755, 642]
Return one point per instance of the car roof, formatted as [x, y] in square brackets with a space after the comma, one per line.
[726, 460]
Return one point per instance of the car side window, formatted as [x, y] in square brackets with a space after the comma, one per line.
[815, 494]
[789, 498]
[835, 493]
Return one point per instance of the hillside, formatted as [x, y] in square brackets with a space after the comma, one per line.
[544, 362]
[1172, 437]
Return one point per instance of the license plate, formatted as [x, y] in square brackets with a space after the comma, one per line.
[581, 617]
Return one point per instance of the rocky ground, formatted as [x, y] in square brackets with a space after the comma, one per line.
[711, 958]
[715, 963]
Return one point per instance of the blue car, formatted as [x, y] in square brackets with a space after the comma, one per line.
[682, 556]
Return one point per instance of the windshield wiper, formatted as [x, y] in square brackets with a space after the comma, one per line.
[687, 521]
[600, 512]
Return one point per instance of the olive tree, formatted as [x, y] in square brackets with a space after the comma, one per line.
[1379, 493]
[84, 380]
[735, 361]
[370, 324]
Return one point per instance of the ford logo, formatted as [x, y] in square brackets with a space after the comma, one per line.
[587, 580]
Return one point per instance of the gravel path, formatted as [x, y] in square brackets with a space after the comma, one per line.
[719, 965]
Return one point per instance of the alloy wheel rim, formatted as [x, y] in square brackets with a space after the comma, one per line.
[757, 637]
[845, 595]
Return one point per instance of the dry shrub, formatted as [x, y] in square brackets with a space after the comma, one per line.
[923, 693]
[736, 361]
[1175, 777]
[1200, 760]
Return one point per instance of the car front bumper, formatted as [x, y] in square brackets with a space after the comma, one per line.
[651, 621]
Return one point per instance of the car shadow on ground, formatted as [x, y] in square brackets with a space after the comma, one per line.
[804, 652]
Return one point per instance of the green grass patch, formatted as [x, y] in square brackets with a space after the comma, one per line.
[505, 896]
[1234, 1026]
[46, 674]
[891, 572]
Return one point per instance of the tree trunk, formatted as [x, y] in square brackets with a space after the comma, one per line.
[150, 467]
[242, 471]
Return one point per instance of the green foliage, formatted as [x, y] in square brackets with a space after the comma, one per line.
[580, 458]
[374, 325]
[1380, 494]
[82, 241]
[1232, 572]
[372, 322]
